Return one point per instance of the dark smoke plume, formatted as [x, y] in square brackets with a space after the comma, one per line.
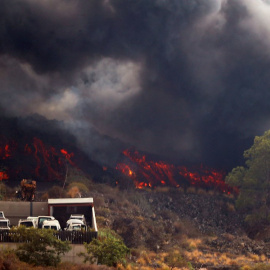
[187, 80]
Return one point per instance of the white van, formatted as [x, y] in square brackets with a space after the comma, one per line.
[34, 219]
[27, 223]
[41, 219]
[51, 224]
[78, 216]
[73, 222]
[76, 227]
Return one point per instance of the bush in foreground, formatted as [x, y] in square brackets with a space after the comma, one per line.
[39, 247]
[109, 249]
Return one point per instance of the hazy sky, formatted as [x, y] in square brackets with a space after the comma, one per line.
[182, 79]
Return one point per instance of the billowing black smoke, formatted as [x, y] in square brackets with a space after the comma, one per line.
[187, 80]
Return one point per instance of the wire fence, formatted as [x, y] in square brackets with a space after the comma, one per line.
[74, 237]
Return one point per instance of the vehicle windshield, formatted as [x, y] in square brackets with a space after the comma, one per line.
[1, 215]
[3, 224]
[42, 219]
[27, 223]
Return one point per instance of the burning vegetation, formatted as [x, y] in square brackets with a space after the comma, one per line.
[148, 173]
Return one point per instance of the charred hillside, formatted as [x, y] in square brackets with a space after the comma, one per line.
[39, 149]
[43, 150]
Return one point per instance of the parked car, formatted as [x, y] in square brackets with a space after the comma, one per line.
[41, 219]
[27, 223]
[4, 224]
[72, 222]
[77, 227]
[51, 224]
[78, 216]
[34, 219]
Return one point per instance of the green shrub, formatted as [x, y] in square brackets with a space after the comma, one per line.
[109, 249]
[39, 247]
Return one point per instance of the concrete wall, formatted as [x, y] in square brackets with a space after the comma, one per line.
[70, 256]
[15, 211]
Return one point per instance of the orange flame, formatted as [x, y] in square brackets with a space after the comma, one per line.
[3, 176]
[149, 173]
[41, 161]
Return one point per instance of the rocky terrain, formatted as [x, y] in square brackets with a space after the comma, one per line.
[203, 225]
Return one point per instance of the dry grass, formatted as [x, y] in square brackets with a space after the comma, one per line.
[148, 260]
[226, 259]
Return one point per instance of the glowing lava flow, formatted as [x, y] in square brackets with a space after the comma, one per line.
[3, 176]
[146, 173]
[34, 159]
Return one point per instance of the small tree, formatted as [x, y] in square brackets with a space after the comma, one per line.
[109, 249]
[253, 182]
[77, 189]
[39, 247]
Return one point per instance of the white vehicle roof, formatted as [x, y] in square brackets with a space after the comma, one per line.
[76, 215]
[23, 220]
[75, 221]
[51, 217]
[27, 222]
[51, 222]
[32, 218]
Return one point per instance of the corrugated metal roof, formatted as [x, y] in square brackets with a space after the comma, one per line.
[71, 201]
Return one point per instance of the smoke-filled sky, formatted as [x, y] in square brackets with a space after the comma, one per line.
[186, 80]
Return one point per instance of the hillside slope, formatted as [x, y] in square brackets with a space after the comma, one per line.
[203, 226]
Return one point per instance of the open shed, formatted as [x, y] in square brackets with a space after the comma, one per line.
[61, 209]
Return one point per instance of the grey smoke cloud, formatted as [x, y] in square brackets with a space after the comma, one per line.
[187, 80]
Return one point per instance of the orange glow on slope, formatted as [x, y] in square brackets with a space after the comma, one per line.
[147, 173]
[35, 159]
[68, 156]
[3, 176]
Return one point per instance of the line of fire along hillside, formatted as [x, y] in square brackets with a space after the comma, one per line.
[145, 173]
[36, 159]
[42, 161]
